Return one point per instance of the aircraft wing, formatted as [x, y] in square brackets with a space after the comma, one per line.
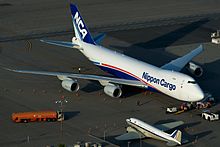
[130, 135]
[84, 76]
[180, 63]
[169, 126]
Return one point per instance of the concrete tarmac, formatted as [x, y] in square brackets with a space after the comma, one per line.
[92, 113]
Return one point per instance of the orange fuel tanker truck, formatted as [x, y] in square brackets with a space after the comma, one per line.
[37, 116]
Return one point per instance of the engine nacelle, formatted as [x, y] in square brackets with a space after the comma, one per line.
[70, 85]
[195, 69]
[113, 91]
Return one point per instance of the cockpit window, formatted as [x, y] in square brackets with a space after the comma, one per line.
[192, 82]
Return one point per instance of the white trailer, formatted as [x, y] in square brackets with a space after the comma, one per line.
[216, 37]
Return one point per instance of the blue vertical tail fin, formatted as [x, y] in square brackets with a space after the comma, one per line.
[81, 31]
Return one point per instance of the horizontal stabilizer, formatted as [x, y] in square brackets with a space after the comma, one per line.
[61, 43]
[98, 39]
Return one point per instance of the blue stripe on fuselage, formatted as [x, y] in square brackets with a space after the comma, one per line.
[118, 73]
[121, 74]
[96, 63]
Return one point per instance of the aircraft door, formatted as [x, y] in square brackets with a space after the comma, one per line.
[182, 84]
[181, 89]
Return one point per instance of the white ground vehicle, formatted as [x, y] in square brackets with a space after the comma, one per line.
[171, 109]
[210, 116]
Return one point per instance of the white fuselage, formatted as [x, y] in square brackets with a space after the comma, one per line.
[150, 131]
[171, 83]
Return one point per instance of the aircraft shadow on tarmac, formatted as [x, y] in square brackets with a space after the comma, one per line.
[191, 138]
[140, 50]
[133, 143]
[131, 90]
[70, 114]
[91, 87]
[211, 78]
[171, 37]
[127, 90]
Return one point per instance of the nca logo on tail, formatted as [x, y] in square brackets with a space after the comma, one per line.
[80, 25]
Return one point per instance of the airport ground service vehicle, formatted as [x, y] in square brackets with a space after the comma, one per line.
[207, 102]
[37, 116]
[166, 79]
[210, 116]
[171, 109]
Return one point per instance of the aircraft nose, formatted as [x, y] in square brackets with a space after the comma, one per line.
[199, 95]
[127, 120]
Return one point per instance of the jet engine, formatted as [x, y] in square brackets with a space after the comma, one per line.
[194, 69]
[113, 90]
[70, 85]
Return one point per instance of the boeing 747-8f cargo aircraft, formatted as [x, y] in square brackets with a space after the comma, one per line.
[138, 130]
[127, 71]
